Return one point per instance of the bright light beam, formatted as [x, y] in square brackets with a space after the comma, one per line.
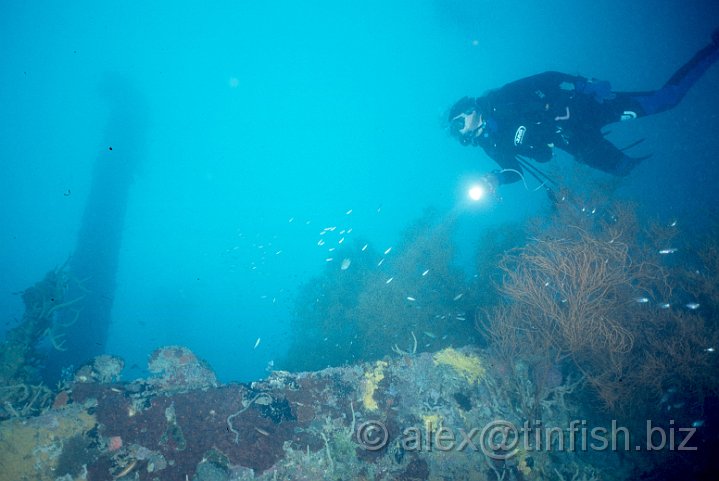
[476, 192]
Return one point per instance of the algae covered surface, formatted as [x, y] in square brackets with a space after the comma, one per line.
[33, 448]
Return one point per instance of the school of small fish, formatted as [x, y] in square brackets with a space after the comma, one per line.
[332, 236]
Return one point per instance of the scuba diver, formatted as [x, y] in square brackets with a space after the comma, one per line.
[532, 116]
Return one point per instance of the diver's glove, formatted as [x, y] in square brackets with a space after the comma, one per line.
[490, 181]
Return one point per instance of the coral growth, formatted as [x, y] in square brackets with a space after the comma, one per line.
[370, 383]
[104, 369]
[466, 365]
[31, 449]
[177, 368]
[591, 292]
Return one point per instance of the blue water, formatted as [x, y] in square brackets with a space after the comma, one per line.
[268, 121]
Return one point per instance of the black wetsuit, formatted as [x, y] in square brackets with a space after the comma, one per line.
[529, 117]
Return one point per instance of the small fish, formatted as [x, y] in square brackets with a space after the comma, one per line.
[329, 259]
[429, 335]
[461, 318]
[291, 219]
[345, 264]
[387, 251]
[261, 431]
[411, 299]
[380, 262]
[698, 423]
[641, 300]
[670, 250]
[594, 210]
[546, 283]
[348, 212]
[673, 224]
[693, 306]
[709, 349]
[458, 297]
[320, 242]
[257, 342]
[665, 305]
[364, 247]
[425, 273]
[341, 240]
[389, 280]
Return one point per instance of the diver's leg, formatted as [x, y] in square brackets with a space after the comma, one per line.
[667, 97]
[601, 154]
[690, 72]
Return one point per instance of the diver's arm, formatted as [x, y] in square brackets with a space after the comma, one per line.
[510, 171]
[505, 155]
[508, 176]
[492, 180]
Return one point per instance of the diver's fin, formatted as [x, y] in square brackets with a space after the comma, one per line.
[634, 144]
[627, 164]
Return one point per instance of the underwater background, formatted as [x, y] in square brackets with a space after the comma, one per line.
[234, 235]
[259, 140]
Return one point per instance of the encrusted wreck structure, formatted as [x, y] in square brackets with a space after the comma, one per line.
[426, 416]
